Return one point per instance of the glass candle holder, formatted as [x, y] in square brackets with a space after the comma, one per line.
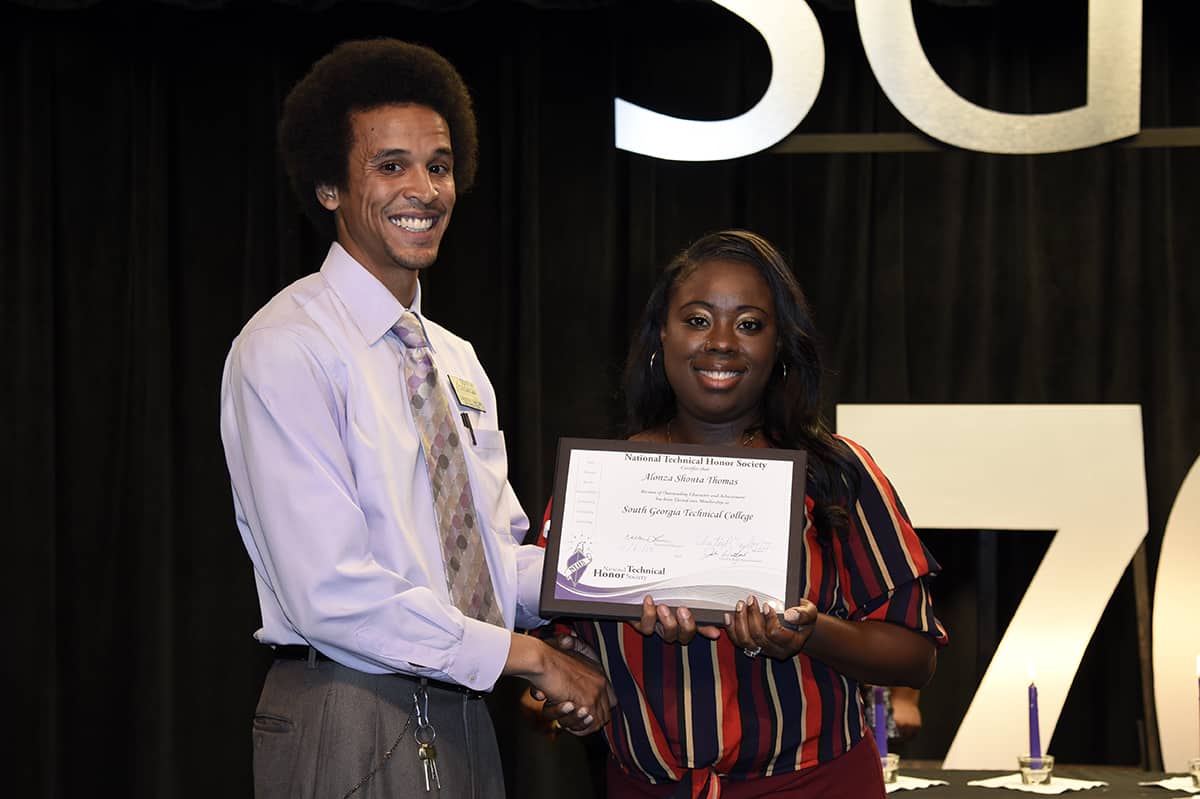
[891, 766]
[1035, 770]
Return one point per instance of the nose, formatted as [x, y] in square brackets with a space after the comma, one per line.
[420, 187]
[720, 338]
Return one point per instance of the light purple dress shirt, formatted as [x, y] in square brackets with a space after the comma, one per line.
[331, 493]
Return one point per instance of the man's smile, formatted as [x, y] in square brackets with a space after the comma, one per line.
[413, 224]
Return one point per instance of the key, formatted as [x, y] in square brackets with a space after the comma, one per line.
[424, 735]
[428, 756]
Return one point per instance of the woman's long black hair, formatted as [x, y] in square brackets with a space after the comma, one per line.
[791, 403]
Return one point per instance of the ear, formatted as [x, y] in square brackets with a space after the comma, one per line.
[327, 196]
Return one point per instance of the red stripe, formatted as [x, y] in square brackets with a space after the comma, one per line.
[731, 722]
[864, 563]
[541, 542]
[840, 700]
[813, 717]
[912, 615]
[816, 568]
[841, 554]
[672, 685]
[633, 640]
[763, 712]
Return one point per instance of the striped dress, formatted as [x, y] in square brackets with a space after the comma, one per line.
[691, 713]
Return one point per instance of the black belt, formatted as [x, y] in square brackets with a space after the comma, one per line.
[313, 655]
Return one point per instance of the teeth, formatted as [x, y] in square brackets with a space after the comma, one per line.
[718, 375]
[413, 224]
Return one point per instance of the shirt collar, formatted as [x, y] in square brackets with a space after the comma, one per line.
[373, 308]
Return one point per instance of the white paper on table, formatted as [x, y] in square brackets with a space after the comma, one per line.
[904, 783]
[1184, 784]
[1057, 784]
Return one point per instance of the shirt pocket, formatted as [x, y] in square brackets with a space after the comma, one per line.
[491, 441]
[488, 462]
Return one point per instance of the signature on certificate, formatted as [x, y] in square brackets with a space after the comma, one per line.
[732, 547]
[647, 542]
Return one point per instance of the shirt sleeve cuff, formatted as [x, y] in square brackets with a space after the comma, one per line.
[481, 655]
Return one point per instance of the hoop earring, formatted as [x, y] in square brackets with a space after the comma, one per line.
[784, 365]
[652, 360]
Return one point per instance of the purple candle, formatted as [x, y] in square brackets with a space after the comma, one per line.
[880, 722]
[1035, 737]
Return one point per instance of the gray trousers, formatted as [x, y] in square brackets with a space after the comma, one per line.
[322, 729]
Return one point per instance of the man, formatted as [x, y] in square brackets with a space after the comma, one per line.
[369, 474]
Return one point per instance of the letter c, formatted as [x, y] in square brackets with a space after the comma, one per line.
[1114, 84]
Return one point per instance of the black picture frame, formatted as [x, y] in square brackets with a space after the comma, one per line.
[552, 605]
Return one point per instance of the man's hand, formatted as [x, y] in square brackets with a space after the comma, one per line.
[775, 635]
[906, 711]
[565, 678]
[564, 713]
[673, 625]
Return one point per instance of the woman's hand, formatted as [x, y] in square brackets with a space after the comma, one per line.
[779, 636]
[869, 650]
[564, 715]
[673, 625]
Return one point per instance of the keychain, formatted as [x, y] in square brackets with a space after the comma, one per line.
[425, 735]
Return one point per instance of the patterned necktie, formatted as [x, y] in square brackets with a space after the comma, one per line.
[467, 576]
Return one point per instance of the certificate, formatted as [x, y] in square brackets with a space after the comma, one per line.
[690, 525]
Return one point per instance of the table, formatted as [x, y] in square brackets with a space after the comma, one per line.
[1122, 783]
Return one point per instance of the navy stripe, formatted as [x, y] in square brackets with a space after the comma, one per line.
[748, 748]
[830, 734]
[787, 686]
[704, 706]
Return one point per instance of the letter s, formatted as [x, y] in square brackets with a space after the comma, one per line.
[797, 66]
[1114, 85]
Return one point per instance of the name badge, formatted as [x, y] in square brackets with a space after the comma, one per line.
[466, 394]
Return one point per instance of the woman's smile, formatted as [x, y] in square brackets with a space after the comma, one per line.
[721, 379]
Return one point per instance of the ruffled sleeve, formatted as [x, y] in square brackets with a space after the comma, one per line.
[886, 568]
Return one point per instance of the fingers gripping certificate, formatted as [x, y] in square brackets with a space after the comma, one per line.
[695, 526]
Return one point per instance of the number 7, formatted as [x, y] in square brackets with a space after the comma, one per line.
[1076, 469]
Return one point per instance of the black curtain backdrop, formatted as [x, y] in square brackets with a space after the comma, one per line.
[146, 217]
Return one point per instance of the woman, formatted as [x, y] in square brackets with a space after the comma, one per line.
[725, 355]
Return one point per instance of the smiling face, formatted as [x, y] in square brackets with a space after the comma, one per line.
[399, 193]
[720, 343]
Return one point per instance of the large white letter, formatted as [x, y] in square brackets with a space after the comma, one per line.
[1176, 631]
[1114, 84]
[797, 66]
[1077, 469]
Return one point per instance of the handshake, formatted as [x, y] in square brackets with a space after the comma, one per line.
[578, 696]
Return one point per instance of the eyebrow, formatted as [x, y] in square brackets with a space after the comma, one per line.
[710, 306]
[399, 152]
